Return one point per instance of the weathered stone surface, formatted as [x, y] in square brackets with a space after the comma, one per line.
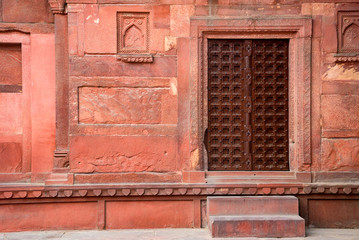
[137, 177]
[340, 112]
[123, 154]
[334, 213]
[125, 105]
[27, 27]
[10, 64]
[100, 28]
[324, 9]
[255, 10]
[340, 155]
[259, 216]
[0, 11]
[287, 205]
[10, 157]
[329, 43]
[259, 226]
[11, 113]
[340, 87]
[149, 214]
[161, 18]
[163, 66]
[335, 177]
[341, 72]
[180, 15]
[48, 216]
[26, 11]
[43, 112]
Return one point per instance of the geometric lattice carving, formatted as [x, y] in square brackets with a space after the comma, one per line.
[133, 32]
[247, 105]
[348, 31]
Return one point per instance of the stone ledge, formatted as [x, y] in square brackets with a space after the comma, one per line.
[135, 58]
[346, 57]
[132, 190]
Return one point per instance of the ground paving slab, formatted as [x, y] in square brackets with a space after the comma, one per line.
[166, 234]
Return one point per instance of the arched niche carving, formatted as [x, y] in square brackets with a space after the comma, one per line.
[351, 36]
[348, 32]
[133, 37]
[133, 33]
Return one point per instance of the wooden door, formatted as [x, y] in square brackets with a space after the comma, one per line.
[247, 105]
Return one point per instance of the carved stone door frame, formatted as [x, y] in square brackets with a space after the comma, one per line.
[299, 32]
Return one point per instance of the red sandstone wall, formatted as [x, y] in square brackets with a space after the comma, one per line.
[123, 116]
[136, 117]
[139, 105]
[136, 122]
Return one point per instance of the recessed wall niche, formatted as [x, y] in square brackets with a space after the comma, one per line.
[10, 67]
[133, 37]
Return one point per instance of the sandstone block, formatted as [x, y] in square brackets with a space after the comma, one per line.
[149, 214]
[340, 112]
[123, 154]
[10, 157]
[26, 11]
[100, 105]
[340, 155]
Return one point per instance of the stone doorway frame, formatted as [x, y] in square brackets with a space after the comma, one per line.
[299, 33]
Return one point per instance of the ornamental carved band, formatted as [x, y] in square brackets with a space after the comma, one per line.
[348, 31]
[132, 33]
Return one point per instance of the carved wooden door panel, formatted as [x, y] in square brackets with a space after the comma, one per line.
[247, 105]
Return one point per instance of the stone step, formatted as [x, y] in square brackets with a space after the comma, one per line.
[285, 205]
[269, 226]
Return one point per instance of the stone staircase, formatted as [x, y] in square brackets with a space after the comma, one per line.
[255, 216]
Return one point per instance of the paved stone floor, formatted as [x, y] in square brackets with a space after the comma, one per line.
[167, 234]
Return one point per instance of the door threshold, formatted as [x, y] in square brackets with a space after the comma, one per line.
[214, 177]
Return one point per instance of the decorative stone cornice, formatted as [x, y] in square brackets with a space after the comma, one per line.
[135, 58]
[57, 6]
[346, 57]
[173, 190]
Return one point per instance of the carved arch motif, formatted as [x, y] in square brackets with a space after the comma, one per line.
[133, 37]
[133, 32]
[348, 32]
[351, 36]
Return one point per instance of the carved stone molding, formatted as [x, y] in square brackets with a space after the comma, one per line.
[145, 58]
[348, 32]
[175, 190]
[57, 6]
[61, 159]
[346, 57]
